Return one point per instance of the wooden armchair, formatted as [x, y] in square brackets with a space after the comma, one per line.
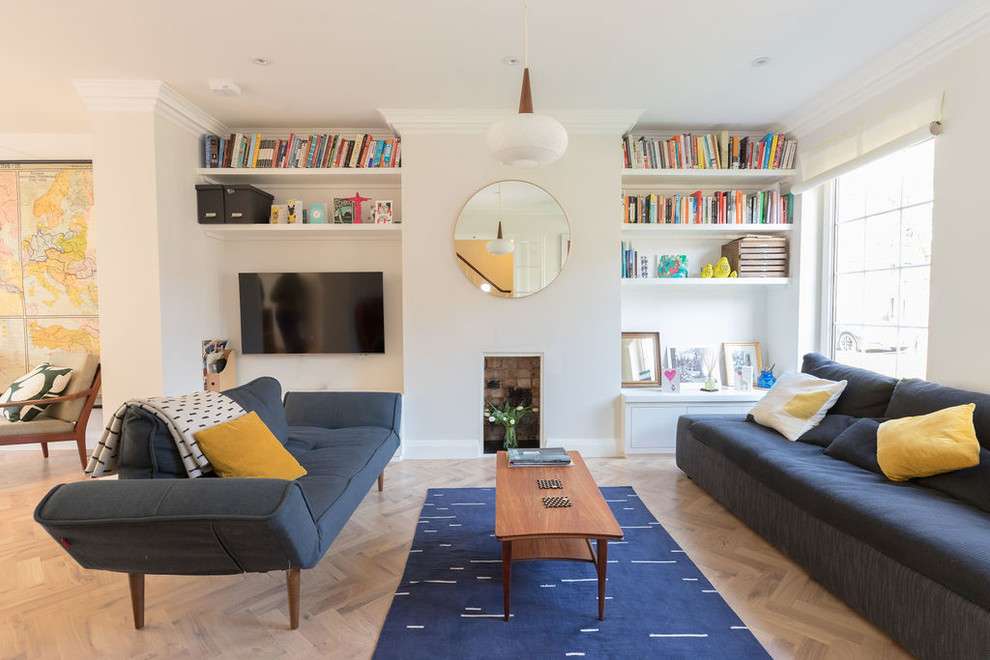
[67, 416]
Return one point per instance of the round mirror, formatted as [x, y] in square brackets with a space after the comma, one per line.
[511, 239]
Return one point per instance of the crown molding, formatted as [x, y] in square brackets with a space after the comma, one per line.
[465, 121]
[153, 96]
[949, 33]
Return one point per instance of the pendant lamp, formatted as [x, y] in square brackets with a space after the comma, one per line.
[499, 245]
[527, 139]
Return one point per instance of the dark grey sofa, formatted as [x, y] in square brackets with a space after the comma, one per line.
[154, 520]
[912, 557]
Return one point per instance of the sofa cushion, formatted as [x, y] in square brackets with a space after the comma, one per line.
[857, 445]
[827, 429]
[263, 396]
[867, 393]
[925, 530]
[245, 448]
[796, 403]
[930, 444]
[920, 397]
[971, 485]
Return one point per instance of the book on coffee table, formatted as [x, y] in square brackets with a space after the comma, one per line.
[543, 457]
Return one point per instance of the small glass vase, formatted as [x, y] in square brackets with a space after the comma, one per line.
[510, 437]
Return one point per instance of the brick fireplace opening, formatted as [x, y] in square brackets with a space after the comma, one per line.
[516, 379]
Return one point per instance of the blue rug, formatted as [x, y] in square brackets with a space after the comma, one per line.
[449, 601]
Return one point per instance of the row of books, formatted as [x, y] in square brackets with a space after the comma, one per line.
[720, 208]
[645, 264]
[318, 150]
[709, 151]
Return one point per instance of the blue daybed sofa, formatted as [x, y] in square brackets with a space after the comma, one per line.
[912, 557]
[155, 520]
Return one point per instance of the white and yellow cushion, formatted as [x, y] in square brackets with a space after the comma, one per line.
[796, 403]
[925, 445]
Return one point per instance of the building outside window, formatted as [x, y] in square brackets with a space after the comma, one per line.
[881, 234]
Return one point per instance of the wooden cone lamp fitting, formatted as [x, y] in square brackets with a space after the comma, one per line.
[526, 95]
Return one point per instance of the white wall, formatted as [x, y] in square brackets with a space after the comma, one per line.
[959, 314]
[448, 325]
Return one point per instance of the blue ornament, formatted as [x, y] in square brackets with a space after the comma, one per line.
[766, 379]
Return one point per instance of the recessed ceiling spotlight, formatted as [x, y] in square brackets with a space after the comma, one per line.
[760, 62]
[261, 61]
[511, 60]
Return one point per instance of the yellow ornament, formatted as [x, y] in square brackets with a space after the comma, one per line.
[733, 274]
[706, 271]
[722, 268]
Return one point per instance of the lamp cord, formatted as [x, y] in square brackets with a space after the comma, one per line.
[526, 33]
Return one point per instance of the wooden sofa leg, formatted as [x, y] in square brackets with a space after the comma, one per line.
[44, 449]
[381, 481]
[292, 586]
[136, 581]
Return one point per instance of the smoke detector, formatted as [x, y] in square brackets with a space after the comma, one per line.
[225, 87]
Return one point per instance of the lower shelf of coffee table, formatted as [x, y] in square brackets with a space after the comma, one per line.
[567, 549]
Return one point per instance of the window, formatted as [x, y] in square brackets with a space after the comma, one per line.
[881, 259]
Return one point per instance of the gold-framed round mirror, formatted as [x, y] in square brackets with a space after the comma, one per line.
[511, 239]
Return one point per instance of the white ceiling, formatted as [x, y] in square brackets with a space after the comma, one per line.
[334, 63]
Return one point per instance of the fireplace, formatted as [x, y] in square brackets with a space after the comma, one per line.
[516, 379]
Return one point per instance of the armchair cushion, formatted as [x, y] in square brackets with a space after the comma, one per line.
[42, 382]
[84, 366]
[40, 424]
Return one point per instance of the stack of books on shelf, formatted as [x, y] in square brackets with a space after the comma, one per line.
[709, 152]
[720, 208]
[539, 457]
[318, 150]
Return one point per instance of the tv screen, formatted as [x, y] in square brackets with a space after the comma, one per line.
[312, 313]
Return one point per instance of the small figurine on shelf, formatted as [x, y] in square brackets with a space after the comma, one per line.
[766, 379]
[722, 268]
[707, 271]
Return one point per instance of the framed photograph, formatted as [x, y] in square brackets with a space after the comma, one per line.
[383, 212]
[640, 359]
[739, 355]
[689, 362]
[343, 211]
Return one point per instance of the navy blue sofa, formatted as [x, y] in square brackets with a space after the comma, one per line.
[912, 557]
[155, 520]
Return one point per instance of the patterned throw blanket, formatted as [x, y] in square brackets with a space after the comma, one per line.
[183, 415]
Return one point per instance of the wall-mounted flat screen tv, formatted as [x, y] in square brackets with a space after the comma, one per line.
[312, 313]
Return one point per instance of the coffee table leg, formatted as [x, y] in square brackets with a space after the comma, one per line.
[506, 574]
[602, 547]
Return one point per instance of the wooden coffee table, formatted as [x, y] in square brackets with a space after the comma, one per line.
[530, 531]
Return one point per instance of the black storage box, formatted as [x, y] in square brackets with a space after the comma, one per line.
[234, 204]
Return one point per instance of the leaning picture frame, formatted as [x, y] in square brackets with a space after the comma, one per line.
[741, 354]
[690, 362]
[640, 359]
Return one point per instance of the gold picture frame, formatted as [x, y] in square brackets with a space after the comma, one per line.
[640, 359]
[741, 354]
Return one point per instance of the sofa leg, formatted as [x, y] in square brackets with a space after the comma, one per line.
[381, 481]
[292, 585]
[136, 581]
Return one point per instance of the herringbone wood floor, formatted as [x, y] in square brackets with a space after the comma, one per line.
[51, 608]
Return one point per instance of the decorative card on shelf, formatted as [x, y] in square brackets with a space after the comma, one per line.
[317, 214]
[293, 211]
[646, 266]
[689, 362]
[671, 381]
[383, 212]
[672, 265]
[278, 214]
[343, 211]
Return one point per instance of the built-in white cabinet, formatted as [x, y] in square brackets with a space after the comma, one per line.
[650, 416]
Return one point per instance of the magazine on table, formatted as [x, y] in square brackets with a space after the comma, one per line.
[543, 457]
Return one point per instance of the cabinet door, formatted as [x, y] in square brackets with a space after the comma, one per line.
[719, 409]
[654, 427]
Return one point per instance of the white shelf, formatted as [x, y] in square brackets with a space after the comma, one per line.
[716, 282]
[263, 232]
[690, 393]
[301, 175]
[701, 231]
[720, 178]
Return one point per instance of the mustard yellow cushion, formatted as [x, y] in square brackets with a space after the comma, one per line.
[244, 447]
[925, 445]
[796, 403]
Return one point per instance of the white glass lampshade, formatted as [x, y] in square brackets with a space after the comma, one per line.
[527, 140]
[499, 246]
